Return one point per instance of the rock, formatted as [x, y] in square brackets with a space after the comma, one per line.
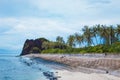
[51, 75]
[33, 46]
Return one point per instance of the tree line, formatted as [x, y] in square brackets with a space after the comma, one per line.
[92, 36]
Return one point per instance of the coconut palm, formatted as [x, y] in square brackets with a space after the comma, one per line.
[95, 33]
[112, 34]
[118, 31]
[71, 41]
[60, 39]
[79, 39]
[104, 34]
[87, 33]
[107, 33]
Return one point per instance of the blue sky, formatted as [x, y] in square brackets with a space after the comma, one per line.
[30, 19]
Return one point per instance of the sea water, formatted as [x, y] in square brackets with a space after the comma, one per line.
[12, 68]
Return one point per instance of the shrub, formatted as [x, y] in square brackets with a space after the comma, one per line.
[35, 50]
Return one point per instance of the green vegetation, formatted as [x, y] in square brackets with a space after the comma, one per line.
[114, 48]
[53, 45]
[35, 50]
[94, 39]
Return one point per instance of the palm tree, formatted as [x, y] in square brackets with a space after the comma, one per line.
[79, 39]
[118, 31]
[103, 33]
[87, 35]
[95, 32]
[107, 33]
[60, 39]
[98, 33]
[71, 41]
[112, 34]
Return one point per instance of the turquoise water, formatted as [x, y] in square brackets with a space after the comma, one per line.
[12, 68]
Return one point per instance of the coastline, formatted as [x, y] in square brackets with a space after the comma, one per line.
[107, 67]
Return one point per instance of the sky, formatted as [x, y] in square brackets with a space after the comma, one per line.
[31, 19]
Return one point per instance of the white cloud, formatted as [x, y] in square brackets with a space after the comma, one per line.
[64, 7]
[39, 27]
[30, 28]
[81, 10]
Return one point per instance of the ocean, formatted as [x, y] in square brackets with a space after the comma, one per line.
[15, 68]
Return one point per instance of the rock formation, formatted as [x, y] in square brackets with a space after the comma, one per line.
[33, 46]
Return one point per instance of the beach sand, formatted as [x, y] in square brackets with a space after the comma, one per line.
[68, 75]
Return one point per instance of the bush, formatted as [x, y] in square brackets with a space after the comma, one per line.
[114, 48]
[53, 51]
[35, 50]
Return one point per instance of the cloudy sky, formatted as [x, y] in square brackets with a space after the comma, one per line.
[30, 19]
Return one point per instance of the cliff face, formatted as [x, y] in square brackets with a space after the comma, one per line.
[33, 46]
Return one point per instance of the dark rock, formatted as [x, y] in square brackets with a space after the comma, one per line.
[33, 46]
[51, 75]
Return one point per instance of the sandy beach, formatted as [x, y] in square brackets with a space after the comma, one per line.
[85, 68]
[67, 75]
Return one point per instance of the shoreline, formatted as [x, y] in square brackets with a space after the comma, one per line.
[73, 65]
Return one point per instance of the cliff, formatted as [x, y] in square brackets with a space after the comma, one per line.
[33, 46]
